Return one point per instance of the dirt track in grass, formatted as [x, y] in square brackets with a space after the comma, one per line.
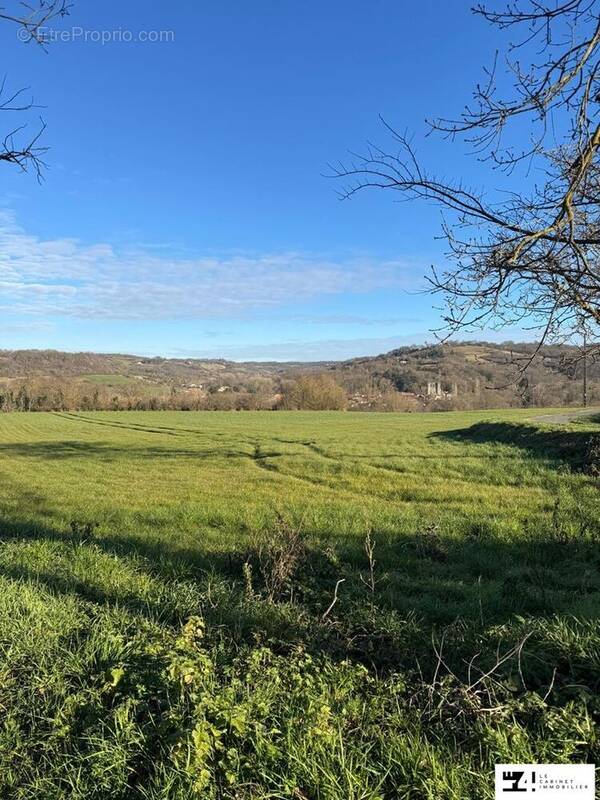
[565, 418]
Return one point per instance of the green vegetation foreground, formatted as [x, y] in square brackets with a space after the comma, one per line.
[294, 605]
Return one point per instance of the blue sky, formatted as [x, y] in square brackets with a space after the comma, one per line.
[185, 211]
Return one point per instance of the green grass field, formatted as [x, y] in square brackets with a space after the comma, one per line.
[170, 625]
[105, 379]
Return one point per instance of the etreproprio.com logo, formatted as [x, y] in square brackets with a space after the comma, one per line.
[96, 36]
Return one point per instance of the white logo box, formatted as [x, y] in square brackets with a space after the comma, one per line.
[545, 781]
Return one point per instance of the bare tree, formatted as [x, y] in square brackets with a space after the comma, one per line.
[31, 21]
[532, 256]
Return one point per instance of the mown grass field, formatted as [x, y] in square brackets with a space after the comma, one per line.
[170, 625]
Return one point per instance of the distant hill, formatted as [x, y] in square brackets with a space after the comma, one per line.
[27, 364]
[452, 375]
[475, 373]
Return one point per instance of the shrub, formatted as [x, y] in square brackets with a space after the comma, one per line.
[315, 393]
[279, 554]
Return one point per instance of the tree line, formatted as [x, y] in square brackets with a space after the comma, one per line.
[359, 389]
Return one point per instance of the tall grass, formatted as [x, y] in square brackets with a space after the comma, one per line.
[293, 605]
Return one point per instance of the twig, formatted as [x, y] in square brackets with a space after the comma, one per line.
[547, 695]
[514, 651]
[370, 583]
[335, 598]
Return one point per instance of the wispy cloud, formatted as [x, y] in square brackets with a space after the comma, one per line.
[338, 349]
[353, 319]
[297, 350]
[64, 277]
[26, 327]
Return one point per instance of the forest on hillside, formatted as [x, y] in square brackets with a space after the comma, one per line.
[456, 376]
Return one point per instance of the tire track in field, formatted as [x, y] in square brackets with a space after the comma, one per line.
[177, 432]
[354, 493]
[275, 470]
[356, 458]
[565, 417]
[313, 447]
[132, 426]
[71, 417]
[260, 461]
[339, 457]
[389, 470]
[326, 482]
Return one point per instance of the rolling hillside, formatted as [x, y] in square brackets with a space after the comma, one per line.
[24, 364]
[456, 375]
[481, 373]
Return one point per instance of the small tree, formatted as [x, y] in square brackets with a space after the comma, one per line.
[314, 393]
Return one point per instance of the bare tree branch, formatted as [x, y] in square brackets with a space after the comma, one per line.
[34, 18]
[532, 257]
[16, 148]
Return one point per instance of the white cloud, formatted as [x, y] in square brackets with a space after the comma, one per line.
[339, 349]
[25, 327]
[300, 350]
[66, 278]
[353, 319]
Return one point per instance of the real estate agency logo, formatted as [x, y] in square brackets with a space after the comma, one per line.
[545, 781]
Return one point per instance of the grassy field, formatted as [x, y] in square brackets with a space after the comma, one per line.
[294, 605]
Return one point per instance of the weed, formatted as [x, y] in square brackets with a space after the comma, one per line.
[83, 532]
[431, 545]
[247, 570]
[370, 581]
[591, 459]
[280, 553]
